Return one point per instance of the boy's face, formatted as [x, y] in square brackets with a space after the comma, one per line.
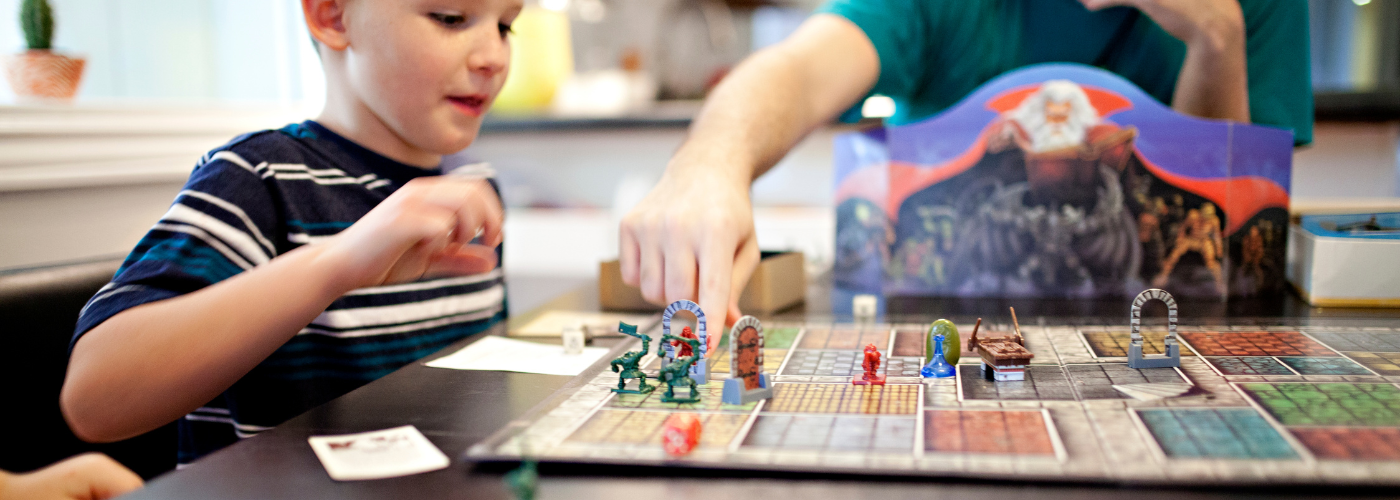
[429, 69]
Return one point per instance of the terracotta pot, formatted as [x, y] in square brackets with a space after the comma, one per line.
[44, 74]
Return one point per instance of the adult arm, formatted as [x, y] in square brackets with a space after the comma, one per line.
[151, 364]
[693, 234]
[1213, 82]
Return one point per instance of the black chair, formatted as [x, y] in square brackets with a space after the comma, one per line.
[38, 312]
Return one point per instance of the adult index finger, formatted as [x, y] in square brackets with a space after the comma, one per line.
[714, 279]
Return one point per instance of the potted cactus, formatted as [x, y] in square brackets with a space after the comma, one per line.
[40, 72]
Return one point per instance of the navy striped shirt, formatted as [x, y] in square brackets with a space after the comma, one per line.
[260, 196]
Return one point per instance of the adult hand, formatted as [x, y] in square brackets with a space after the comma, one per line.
[1212, 23]
[692, 235]
[90, 476]
[424, 229]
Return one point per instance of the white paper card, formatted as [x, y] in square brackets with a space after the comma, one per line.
[400, 451]
[510, 355]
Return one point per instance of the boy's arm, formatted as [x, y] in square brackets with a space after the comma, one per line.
[151, 364]
[695, 228]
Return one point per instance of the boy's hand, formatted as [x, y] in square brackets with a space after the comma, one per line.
[693, 235]
[90, 476]
[423, 230]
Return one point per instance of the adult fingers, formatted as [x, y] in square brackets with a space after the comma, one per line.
[629, 253]
[745, 262]
[716, 276]
[652, 269]
[679, 281]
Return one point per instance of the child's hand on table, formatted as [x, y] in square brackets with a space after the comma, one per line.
[90, 476]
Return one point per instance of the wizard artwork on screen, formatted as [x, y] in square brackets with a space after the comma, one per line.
[1062, 181]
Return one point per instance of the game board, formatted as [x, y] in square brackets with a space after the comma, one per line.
[1267, 404]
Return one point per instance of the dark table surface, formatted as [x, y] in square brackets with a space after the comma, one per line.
[456, 409]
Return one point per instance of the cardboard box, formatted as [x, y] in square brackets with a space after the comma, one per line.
[1346, 260]
[780, 281]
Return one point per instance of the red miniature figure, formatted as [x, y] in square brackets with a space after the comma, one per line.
[684, 348]
[872, 368]
[680, 434]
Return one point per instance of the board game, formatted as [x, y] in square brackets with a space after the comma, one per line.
[1253, 403]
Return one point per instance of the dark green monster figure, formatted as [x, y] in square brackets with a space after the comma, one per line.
[626, 364]
[677, 372]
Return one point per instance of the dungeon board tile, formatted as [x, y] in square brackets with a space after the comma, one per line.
[999, 432]
[1254, 343]
[1324, 366]
[1238, 433]
[779, 338]
[1114, 343]
[832, 432]
[889, 399]
[1360, 341]
[1042, 383]
[1328, 404]
[1350, 443]
[772, 359]
[909, 342]
[846, 337]
[710, 395]
[644, 427]
[1248, 365]
[1096, 381]
[1384, 363]
[844, 364]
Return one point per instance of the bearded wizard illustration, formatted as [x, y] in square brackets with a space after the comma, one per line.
[1065, 229]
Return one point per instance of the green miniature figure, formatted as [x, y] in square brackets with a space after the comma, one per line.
[677, 372]
[952, 345]
[626, 365]
[522, 481]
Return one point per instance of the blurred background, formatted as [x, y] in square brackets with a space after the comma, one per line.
[578, 137]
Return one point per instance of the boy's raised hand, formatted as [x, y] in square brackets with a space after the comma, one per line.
[425, 229]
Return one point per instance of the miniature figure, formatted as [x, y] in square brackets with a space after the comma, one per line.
[699, 371]
[626, 365]
[938, 365]
[746, 382]
[952, 343]
[871, 365]
[677, 372]
[1003, 358]
[684, 349]
[1136, 359]
[680, 434]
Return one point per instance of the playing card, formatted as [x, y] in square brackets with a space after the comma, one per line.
[400, 451]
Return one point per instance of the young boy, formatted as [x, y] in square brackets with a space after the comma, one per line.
[300, 263]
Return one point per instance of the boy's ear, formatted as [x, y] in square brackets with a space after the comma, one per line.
[325, 20]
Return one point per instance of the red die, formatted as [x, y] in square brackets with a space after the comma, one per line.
[680, 434]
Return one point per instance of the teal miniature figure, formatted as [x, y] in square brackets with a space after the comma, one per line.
[626, 365]
[523, 480]
[678, 372]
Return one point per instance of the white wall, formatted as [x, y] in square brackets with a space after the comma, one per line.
[182, 50]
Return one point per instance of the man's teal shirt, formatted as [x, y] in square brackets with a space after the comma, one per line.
[935, 52]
